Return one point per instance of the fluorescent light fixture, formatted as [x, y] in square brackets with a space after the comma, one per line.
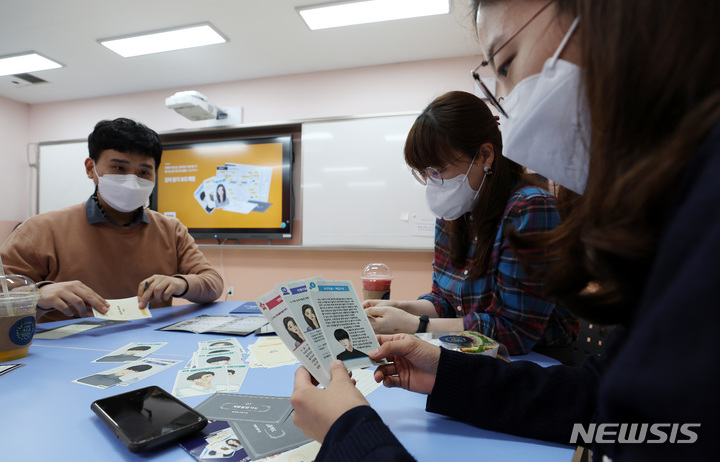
[169, 40]
[25, 63]
[351, 13]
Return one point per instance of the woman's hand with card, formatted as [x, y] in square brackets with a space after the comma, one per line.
[413, 362]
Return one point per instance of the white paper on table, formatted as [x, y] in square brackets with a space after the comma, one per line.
[124, 309]
[365, 381]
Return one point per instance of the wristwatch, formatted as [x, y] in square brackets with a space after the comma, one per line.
[422, 327]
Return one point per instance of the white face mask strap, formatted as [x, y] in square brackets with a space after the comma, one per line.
[481, 185]
[468, 178]
[472, 162]
[566, 39]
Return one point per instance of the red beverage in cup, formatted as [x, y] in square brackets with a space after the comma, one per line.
[376, 280]
[376, 289]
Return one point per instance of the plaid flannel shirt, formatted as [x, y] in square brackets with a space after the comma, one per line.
[505, 304]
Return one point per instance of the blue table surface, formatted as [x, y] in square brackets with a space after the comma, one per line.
[45, 416]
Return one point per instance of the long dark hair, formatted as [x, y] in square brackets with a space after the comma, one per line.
[286, 321]
[653, 89]
[307, 320]
[460, 122]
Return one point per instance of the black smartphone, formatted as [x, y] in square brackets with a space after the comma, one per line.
[149, 417]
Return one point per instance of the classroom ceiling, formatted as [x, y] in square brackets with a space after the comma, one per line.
[266, 38]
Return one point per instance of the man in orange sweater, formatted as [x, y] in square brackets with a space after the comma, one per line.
[111, 246]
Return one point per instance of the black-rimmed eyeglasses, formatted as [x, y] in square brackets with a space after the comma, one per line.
[486, 91]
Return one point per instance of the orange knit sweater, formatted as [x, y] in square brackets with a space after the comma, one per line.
[112, 260]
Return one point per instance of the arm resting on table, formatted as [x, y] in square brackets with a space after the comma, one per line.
[519, 398]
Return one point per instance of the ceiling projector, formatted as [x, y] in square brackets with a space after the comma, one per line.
[194, 106]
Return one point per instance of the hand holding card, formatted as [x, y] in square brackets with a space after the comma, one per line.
[124, 309]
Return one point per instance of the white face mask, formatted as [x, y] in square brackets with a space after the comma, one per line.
[124, 193]
[453, 198]
[542, 131]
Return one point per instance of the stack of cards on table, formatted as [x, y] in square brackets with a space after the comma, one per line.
[135, 365]
[263, 424]
[270, 352]
[320, 321]
[219, 324]
[216, 366]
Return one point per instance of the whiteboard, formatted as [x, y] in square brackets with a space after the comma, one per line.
[357, 190]
[62, 180]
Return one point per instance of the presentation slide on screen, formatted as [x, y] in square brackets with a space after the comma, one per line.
[222, 185]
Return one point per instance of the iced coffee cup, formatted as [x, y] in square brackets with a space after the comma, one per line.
[18, 299]
[376, 279]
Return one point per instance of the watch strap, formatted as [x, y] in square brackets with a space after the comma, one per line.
[422, 326]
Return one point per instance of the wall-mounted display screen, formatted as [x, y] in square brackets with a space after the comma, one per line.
[228, 188]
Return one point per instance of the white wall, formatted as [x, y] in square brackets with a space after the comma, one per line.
[370, 90]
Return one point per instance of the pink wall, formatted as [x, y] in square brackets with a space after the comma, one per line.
[254, 272]
[15, 178]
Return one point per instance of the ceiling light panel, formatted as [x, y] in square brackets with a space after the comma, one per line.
[352, 13]
[169, 40]
[26, 63]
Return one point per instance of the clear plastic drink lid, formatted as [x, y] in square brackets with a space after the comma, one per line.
[377, 271]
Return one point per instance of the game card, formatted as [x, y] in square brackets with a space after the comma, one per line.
[270, 352]
[250, 408]
[124, 309]
[71, 329]
[344, 323]
[127, 373]
[218, 357]
[215, 441]
[221, 343]
[300, 304]
[288, 329]
[201, 381]
[131, 352]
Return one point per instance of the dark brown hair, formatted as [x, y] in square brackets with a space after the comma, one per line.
[562, 7]
[460, 123]
[653, 88]
[127, 136]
